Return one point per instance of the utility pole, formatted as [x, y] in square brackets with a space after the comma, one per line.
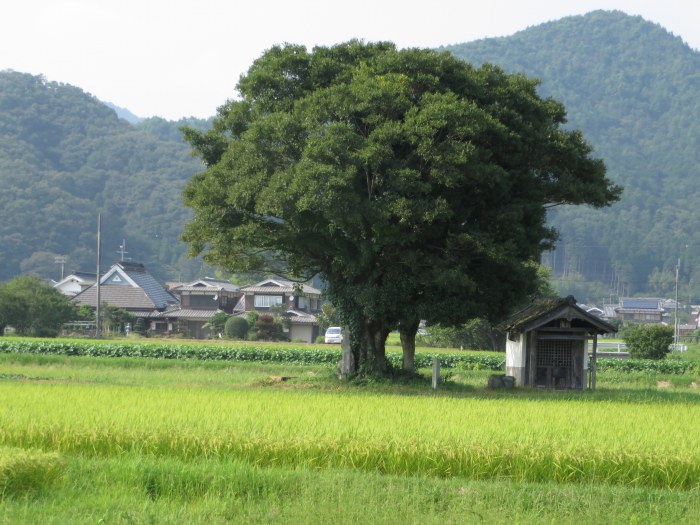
[676, 325]
[98, 328]
[61, 259]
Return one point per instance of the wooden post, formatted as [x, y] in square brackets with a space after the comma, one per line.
[347, 366]
[436, 372]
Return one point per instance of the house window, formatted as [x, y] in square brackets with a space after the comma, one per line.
[203, 301]
[302, 302]
[266, 301]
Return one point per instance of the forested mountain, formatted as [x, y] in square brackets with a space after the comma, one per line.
[634, 90]
[64, 155]
[629, 85]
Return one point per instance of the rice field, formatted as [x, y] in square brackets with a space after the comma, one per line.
[213, 433]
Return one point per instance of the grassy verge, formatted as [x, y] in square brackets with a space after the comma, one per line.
[141, 489]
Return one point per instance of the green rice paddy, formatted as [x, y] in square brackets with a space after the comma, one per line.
[215, 442]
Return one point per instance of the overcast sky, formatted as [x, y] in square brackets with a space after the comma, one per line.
[177, 58]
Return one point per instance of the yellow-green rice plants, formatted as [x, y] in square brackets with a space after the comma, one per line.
[515, 438]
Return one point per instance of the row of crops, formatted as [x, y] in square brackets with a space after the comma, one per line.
[231, 352]
[303, 355]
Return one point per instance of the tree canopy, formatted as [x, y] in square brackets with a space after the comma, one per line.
[413, 183]
[33, 307]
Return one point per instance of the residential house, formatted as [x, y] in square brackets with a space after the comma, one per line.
[75, 283]
[298, 302]
[129, 286]
[640, 310]
[609, 312]
[592, 309]
[199, 302]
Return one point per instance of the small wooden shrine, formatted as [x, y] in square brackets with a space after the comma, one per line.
[547, 345]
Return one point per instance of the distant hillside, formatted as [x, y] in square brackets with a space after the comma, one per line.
[629, 85]
[634, 90]
[124, 113]
[64, 155]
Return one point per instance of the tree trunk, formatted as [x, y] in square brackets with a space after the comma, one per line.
[375, 334]
[364, 349]
[407, 333]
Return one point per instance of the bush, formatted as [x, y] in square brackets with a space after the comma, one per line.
[476, 334]
[217, 324]
[649, 341]
[267, 328]
[236, 328]
[140, 326]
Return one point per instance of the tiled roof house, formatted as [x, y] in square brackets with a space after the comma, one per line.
[128, 285]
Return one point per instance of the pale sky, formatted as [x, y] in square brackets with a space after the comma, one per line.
[178, 58]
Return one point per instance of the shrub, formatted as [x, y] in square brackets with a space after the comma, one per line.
[236, 328]
[649, 341]
[217, 324]
[252, 317]
[140, 326]
[267, 329]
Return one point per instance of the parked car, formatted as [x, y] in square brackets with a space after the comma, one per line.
[334, 335]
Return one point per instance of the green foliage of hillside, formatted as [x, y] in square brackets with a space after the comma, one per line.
[64, 155]
[634, 90]
[629, 85]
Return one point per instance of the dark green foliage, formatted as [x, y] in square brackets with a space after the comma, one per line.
[33, 307]
[115, 319]
[84, 313]
[630, 86]
[236, 328]
[328, 316]
[476, 334]
[217, 324]
[252, 317]
[634, 90]
[63, 156]
[415, 185]
[267, 328]
[650, 341]
[140, 326]
[167, 130]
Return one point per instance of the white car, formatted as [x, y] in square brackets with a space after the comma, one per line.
[334, 335]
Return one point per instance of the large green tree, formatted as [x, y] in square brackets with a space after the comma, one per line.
[414, 184]
[33, 307]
